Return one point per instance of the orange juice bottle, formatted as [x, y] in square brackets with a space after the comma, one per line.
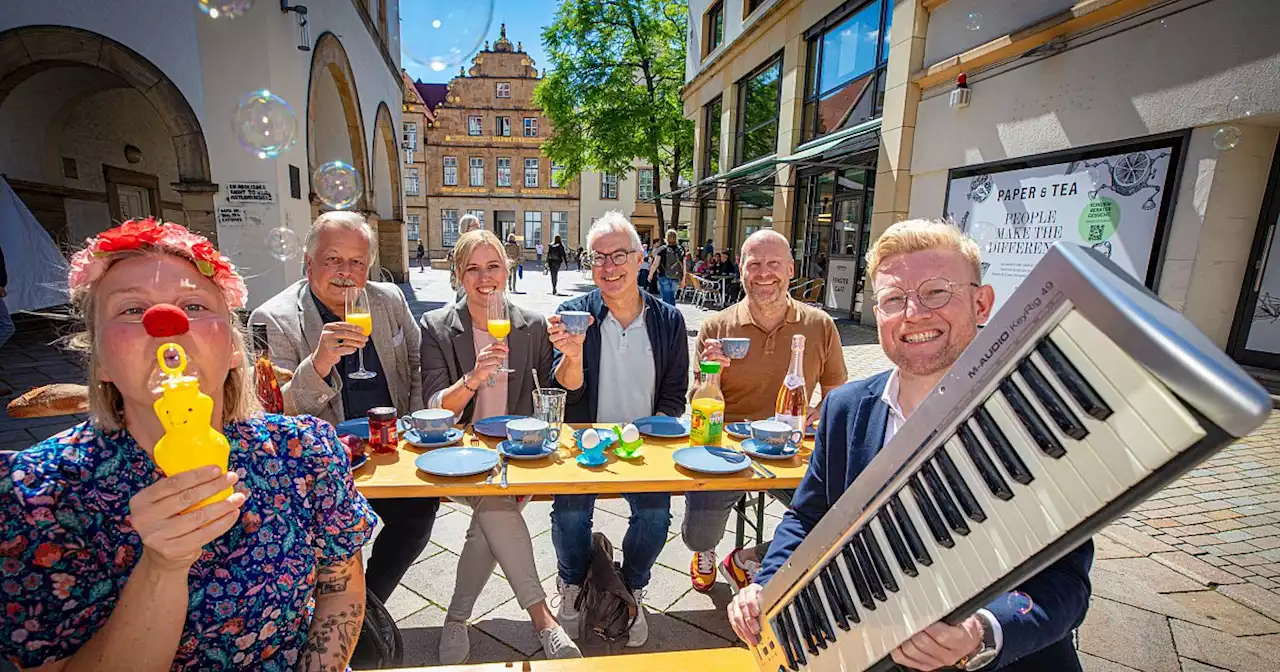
[707, 423]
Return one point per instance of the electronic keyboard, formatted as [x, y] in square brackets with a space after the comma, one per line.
[1082, 396]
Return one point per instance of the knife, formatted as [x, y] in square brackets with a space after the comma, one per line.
[503, 458]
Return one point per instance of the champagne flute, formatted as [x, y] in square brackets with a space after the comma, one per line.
[359, 315]
[499, 324]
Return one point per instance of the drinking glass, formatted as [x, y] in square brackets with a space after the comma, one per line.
[359, 315]
[548, 405]
[500, 324]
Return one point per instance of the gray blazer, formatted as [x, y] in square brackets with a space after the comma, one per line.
[293, 330]
[448, 351]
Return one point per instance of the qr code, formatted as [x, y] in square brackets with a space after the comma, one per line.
[1095, 232]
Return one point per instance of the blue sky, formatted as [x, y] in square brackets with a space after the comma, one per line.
[525, 20]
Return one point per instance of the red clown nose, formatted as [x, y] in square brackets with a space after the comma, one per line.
[164, 320]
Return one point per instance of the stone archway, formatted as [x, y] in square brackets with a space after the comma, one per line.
[333, 111]
[28, 51]
[386, 198]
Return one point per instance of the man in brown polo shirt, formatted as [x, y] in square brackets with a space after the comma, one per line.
[770, 318]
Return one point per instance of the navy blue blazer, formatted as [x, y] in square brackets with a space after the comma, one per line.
[854, 416]
[667, 337]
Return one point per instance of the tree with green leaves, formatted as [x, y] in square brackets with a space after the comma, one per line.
[613, 93]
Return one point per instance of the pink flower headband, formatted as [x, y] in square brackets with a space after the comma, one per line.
[88, 265]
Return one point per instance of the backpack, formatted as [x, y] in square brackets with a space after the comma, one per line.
[380, 645]
[607, 606]
[671, 262]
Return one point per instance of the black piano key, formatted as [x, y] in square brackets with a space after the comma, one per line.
[859, 581]
[932, 519]
[808, 632]
[825, 627]
[950, 512]
[842, 589]
[898, 548]
[983, 464]
[1075, 384]
[1052, 402]
[779, 631]
[877, 560]
[868, 570]
[960, 489]
[793, 635]
[833, 598]
[1013, 464]
[817, 618]
[914, 543]
[1031, 421]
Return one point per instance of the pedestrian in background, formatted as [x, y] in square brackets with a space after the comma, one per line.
[555, 256]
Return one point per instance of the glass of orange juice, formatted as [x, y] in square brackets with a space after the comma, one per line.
[359, 315]
[500, 324]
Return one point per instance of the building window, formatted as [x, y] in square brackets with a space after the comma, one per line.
[644, 184]
[504, 172]
[449, 225]
[413, 226]
[411, 182]
[450, 171]
[477, 171]
[475, 125]
[504, 126]
[530, 127]
[557, 175]
[532, 229]
[560, 226]
[713, 27]
[848, 56]
[409, 140]
[479, 215]
[504, 89]
[712, 115]
[759, 99]
[531, 173]
[608, 186]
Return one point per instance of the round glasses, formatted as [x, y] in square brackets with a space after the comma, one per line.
[618, 257]
[933, 294]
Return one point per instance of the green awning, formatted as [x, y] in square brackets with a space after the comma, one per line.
[855, 138]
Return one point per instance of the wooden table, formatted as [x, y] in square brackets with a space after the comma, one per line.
[729, 659]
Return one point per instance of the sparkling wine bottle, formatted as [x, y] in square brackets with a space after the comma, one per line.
[793, 397]
[264, 373]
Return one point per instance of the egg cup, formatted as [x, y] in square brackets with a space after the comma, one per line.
[626, 450]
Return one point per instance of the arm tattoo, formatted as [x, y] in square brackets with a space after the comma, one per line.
[332, 640]
[334, 578]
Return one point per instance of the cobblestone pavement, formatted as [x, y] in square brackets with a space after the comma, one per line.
[1187, 582]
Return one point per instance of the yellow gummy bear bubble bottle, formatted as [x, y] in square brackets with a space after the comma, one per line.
[706, 427]
[189, 440]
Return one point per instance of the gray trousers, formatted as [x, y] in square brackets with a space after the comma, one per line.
[705, 516]
[498, 536]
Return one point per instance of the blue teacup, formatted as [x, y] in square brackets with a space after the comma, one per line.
[735, 348]
[575, 321]
[772, 436]
[432, 424]
[528, 435]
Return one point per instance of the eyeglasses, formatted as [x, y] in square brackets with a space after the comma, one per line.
[618, 257]
[933, 294]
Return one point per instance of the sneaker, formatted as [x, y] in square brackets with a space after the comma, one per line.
[738, 572]
[455, 643]
[569, 617]
[639, 632]
[557, 645]
[702, 570]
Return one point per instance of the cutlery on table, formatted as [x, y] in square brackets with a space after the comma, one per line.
[504, 462]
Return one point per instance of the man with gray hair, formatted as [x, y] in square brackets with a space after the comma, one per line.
[633, 363]
[307, 334]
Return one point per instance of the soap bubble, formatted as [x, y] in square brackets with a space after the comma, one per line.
[974, 21]
[283, 243]
[1226, 137]
[265, 124]
[224, 9]
[1020, 602]
[337, 184]
[439, 35]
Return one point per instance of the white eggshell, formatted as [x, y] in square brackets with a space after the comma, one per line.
[630, 433]
[590, 438]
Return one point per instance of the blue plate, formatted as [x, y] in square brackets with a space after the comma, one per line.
[586, 462]
[547, 449]
[496, 426]
[756, 450]
[742, 430]
[711, 460]
[358, 427]
[450, 437]
[457, 461]
[359, 461]
[662, 426]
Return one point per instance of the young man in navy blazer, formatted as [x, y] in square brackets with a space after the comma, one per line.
[929, 303]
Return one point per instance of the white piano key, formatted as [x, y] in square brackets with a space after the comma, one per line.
[1006, 531]
[866, 643]
[1062, 512]
[903, 617]
[951, 589]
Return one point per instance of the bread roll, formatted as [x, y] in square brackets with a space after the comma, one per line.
[51, 400]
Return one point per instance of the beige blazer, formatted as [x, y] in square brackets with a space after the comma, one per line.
[293, 331]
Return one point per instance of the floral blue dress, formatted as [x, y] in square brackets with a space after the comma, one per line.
[67, 547]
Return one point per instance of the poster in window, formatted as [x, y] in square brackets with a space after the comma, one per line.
[1110, 203]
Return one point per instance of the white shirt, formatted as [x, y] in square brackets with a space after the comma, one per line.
[627, 377]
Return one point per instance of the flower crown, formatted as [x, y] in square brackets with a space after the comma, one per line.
[88, 265]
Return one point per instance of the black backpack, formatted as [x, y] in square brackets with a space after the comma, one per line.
[671, 262]
[607, 606]
[380, 645]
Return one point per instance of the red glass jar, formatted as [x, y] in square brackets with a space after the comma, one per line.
[383, 436]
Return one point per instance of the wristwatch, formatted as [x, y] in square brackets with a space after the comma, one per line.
[986, 651]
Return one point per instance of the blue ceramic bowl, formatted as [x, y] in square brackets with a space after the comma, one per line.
[735, 348]
[433, 424]
[528, 435]
[575, 321]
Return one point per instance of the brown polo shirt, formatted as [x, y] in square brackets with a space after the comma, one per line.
[751, 384]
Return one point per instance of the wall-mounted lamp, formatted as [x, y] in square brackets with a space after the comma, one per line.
[304, 30]
[961, 94]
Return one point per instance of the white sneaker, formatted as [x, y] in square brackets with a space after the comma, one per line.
[566, 613]
[557, 645]
[639, 632]
[455, 643]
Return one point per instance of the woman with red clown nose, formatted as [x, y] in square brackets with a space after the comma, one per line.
[105, 562]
